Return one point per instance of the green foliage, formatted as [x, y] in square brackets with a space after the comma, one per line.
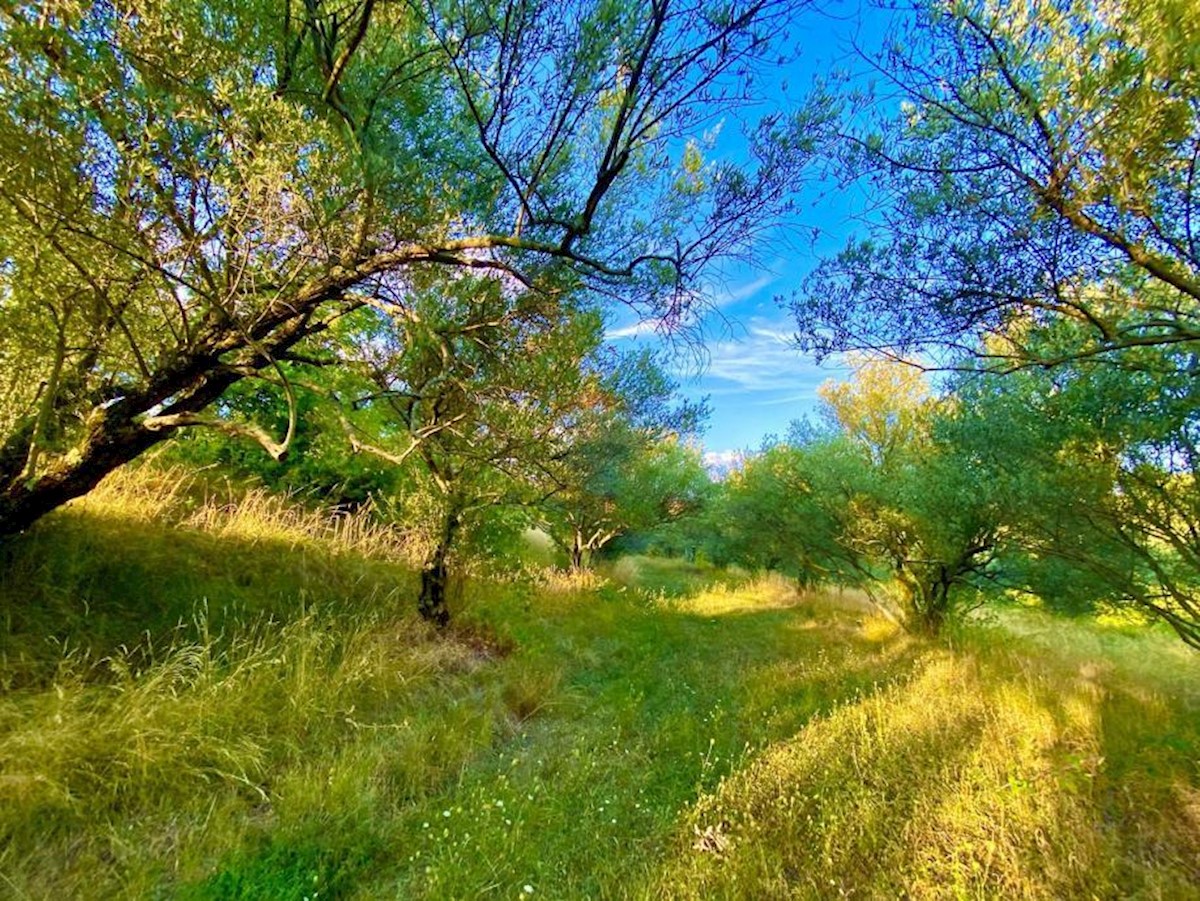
[623, 481]
[786, 510]
[320, 463]
[627, 466]
[1097, 463]
[1040, 167]
[482, 391]
[881, 500]
[199, 195]
[1073, 484]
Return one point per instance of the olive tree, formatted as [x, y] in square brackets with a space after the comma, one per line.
[473, 393]
[628, 465]
[624, 481]
[190, 192]
[786, 510]
[1042, 165]
[913, 503]
[1098, 464]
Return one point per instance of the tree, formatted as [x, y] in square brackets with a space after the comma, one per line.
[1100, 463]
[190, 193]
[1044, 166]
[475, 390]
[936, 529]
[884, 409]
[786, 510]
[620, 482]
[912, 503]
[627, 466]
[1040, 209]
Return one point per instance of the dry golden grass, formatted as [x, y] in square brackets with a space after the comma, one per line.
[567, 581]
[765, 592]
[175, 495]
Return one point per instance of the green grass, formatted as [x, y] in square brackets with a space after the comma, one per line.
[238, 703]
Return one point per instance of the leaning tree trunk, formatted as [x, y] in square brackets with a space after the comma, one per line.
[435, 575]
[114, 434]
[118, 430]
[23, 502]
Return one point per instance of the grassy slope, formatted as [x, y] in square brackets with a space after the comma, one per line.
[300, 735]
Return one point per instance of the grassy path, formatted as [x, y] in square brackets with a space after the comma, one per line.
[656, 703]
[825, 756]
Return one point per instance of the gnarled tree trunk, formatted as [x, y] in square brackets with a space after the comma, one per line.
[119, 429]
[435, 574]
[580, 556]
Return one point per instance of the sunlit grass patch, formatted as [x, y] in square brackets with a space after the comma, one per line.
[567, 581]
[761, 593]
[981, 775]
[149, 493]
[627, 572]
[1133, 619]
[877, 628]
[1147, 660]
[139, 562]
[655, 704]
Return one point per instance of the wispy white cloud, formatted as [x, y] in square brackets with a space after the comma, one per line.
[764, 359]
[634, 329]
[724, 297]
[705, 299]
[793, 399]
[752, 372]
[721, 463]
[723, 458]
[772, 333]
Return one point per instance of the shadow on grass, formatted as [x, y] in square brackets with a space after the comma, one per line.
[985, 774]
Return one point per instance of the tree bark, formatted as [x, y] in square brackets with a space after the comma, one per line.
[106, 447]
[115, 432]
[579, 553]
[435, 575]
[935, 605]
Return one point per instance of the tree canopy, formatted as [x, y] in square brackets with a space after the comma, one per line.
[392, 233]
[1043, 166]
[194, 192]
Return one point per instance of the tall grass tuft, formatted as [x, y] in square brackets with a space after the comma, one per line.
[219, 507]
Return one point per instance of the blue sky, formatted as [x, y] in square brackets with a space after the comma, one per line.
[756, 381]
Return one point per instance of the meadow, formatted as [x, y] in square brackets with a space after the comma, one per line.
[214, 694]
